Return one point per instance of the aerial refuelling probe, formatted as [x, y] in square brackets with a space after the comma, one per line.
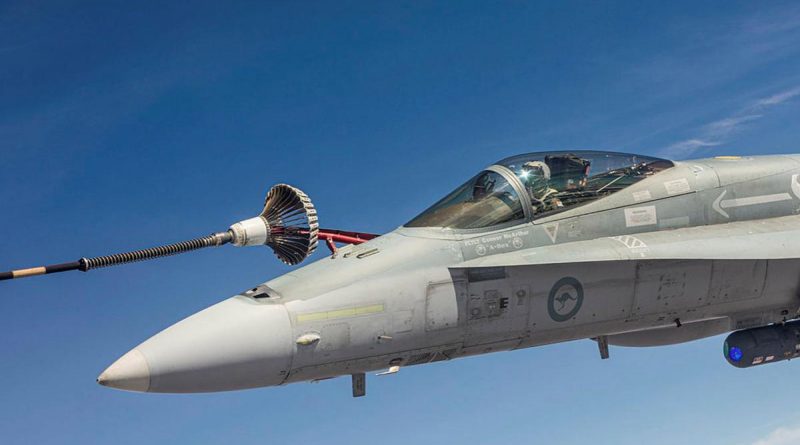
[287, 224]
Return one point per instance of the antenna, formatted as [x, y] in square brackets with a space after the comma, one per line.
[287, 224]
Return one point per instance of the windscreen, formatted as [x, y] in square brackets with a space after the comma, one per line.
[485, 200]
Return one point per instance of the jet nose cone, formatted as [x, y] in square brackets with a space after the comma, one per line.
[236, 344]
[130, 373]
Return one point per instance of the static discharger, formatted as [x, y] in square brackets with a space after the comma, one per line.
[287, 224]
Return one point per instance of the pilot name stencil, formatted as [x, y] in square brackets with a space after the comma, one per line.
[501, 242]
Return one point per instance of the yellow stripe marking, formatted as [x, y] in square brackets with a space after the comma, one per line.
[28, 272]
[340, 313]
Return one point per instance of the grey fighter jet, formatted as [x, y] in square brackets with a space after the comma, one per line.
[536, 249]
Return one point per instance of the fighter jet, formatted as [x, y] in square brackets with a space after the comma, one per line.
[540, 248]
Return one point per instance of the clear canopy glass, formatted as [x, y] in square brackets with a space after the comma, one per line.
[486, 200]
[553, 181]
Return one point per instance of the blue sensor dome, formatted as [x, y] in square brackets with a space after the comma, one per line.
[735, 353]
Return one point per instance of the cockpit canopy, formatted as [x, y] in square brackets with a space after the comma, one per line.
[537, 184]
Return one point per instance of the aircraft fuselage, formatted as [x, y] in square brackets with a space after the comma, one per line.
[698, 249]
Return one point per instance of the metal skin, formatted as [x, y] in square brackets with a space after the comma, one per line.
[719, 253]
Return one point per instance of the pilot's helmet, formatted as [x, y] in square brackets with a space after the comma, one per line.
[536, 177]
[484, 185]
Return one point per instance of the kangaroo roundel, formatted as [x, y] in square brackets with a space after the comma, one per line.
[565, 299]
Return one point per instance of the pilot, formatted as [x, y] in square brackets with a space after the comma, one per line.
[536, 177]
[568, 172]
[484, 185]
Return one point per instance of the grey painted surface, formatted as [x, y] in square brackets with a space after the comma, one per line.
[711, 245]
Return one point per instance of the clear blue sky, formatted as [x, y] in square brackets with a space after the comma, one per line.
[124, 126]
